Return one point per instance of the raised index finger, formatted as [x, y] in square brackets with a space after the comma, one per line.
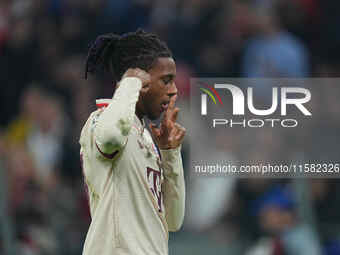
[167, 114]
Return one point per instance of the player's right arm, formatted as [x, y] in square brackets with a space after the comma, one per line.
[114, 123]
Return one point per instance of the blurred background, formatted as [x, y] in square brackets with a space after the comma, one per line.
[45, 102]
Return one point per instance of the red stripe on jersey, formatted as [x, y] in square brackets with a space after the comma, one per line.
[101, 105]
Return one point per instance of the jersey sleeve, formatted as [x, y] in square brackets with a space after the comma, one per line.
[114, 123]
[173, 187]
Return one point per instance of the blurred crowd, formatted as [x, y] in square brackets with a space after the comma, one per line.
[45, 101]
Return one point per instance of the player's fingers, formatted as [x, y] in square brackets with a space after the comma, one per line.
[165, 118]
[180, 136]
[173, 131]
[145, 89]
[154, 131]
[171, 106]
[172, 103]
[179, 129]
[166, 127]
[177, 126]
[174, 114]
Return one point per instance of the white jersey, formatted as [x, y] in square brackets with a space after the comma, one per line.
[136, 195]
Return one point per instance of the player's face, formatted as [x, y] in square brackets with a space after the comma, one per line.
[162, 88]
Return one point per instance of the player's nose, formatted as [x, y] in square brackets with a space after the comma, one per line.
[172, 90]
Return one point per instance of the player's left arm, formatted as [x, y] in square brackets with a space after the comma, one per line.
[169, 138]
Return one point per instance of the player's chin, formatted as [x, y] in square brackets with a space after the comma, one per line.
[154, 111]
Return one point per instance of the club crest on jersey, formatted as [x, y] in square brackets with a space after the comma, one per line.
[150, 148]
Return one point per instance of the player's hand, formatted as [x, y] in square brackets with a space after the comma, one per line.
[170, 134]
[141, 74]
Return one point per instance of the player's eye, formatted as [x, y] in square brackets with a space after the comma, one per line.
[167, 79]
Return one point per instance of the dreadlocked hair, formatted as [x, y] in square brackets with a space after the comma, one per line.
[115, 54]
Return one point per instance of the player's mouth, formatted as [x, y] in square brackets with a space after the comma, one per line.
[164, 106]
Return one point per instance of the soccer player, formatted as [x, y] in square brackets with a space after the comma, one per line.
[135, 179]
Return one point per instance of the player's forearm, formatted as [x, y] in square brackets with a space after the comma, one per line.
[114, 123]
[173, 188]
